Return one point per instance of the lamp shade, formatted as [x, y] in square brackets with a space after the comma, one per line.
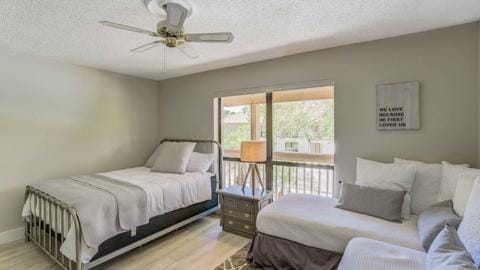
[253, 151]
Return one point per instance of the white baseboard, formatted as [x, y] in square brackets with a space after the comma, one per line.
[12, 235]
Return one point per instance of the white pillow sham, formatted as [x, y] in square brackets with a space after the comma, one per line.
[426, 185]
[387, 176]
[450, 175]
[462, 193]
[200, 162]
[173, 157]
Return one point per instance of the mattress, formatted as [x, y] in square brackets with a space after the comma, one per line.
[314, 221]
[164, 193]
[367, 254]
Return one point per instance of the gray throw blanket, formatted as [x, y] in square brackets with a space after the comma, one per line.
[104, 205]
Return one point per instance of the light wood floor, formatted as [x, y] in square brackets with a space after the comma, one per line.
[201, 245]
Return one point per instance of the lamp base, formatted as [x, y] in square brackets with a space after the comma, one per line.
[252, 167]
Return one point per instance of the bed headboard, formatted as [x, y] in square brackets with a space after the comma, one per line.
[207, 146]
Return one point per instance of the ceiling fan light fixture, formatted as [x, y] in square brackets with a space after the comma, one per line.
[176, 14]
[159, 7]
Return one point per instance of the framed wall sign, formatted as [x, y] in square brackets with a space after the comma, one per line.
[398, 106]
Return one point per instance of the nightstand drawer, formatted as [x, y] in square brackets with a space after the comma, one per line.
[247, 206]
[239, 225]
[240, 215]
[230, 202]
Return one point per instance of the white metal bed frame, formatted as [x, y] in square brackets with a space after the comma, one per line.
[38, 224]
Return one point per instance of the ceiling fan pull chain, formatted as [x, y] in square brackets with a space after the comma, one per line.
[164, 59]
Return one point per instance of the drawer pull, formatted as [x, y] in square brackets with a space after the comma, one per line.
[246, 227]
[246, 215]
[230, 211]
[230, 222]
[247, 205]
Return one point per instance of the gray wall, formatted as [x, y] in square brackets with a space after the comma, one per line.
[58, 120]
[444, 60]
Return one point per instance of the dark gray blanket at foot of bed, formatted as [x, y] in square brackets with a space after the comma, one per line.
[270, 252]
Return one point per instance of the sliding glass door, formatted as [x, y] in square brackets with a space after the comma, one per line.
[298, 126]
[242, 118]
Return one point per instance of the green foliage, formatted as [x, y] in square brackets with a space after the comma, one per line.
[233, 138]
[310, 119]
[327, 120]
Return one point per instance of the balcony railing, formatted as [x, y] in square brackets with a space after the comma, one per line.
[288, 177]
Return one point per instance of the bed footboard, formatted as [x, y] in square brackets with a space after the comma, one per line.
[47, 225]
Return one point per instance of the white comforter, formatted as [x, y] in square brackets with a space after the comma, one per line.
[165, 193]
[314, 221]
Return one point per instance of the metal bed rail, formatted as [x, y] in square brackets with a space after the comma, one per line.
[50, 220]
[48, 224]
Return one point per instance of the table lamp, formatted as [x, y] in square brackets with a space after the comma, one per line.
[253, 152]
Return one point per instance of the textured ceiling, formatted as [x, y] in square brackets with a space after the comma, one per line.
[67, 30]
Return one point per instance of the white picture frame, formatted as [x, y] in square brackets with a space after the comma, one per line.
[398, 106]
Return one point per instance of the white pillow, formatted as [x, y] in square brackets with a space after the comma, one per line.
[173, 157]
[462, 193]
[469, 228]
[450, 174]
[426, 186]
[151, 159]
[387, 176]
[200, 162]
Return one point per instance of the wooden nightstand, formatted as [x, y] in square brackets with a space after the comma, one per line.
[240, 209]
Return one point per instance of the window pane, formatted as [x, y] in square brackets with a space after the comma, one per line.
[236, 125]
[303, 126]
[243, 119]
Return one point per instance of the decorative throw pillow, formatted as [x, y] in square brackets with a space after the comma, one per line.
[200, 162]
[173, 157]
[450, 174]
[381, 203]
[387, 176]
[469, 228]
[431, 221]
[448, 252]
[462, 193]
[426, 184]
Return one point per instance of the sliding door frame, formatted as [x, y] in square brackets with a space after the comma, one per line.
[268, 91]
[269, 163]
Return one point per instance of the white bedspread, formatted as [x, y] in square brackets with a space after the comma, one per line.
[367, 254]
[314, 221]
[165, 193]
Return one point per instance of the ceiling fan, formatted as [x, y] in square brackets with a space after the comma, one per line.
[170, 31]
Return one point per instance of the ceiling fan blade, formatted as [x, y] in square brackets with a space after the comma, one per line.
[188, 50]
[176, 15]
[148, 46]
[128, 28]
[221, 37]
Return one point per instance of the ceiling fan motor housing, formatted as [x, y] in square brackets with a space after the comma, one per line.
[159, 7]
